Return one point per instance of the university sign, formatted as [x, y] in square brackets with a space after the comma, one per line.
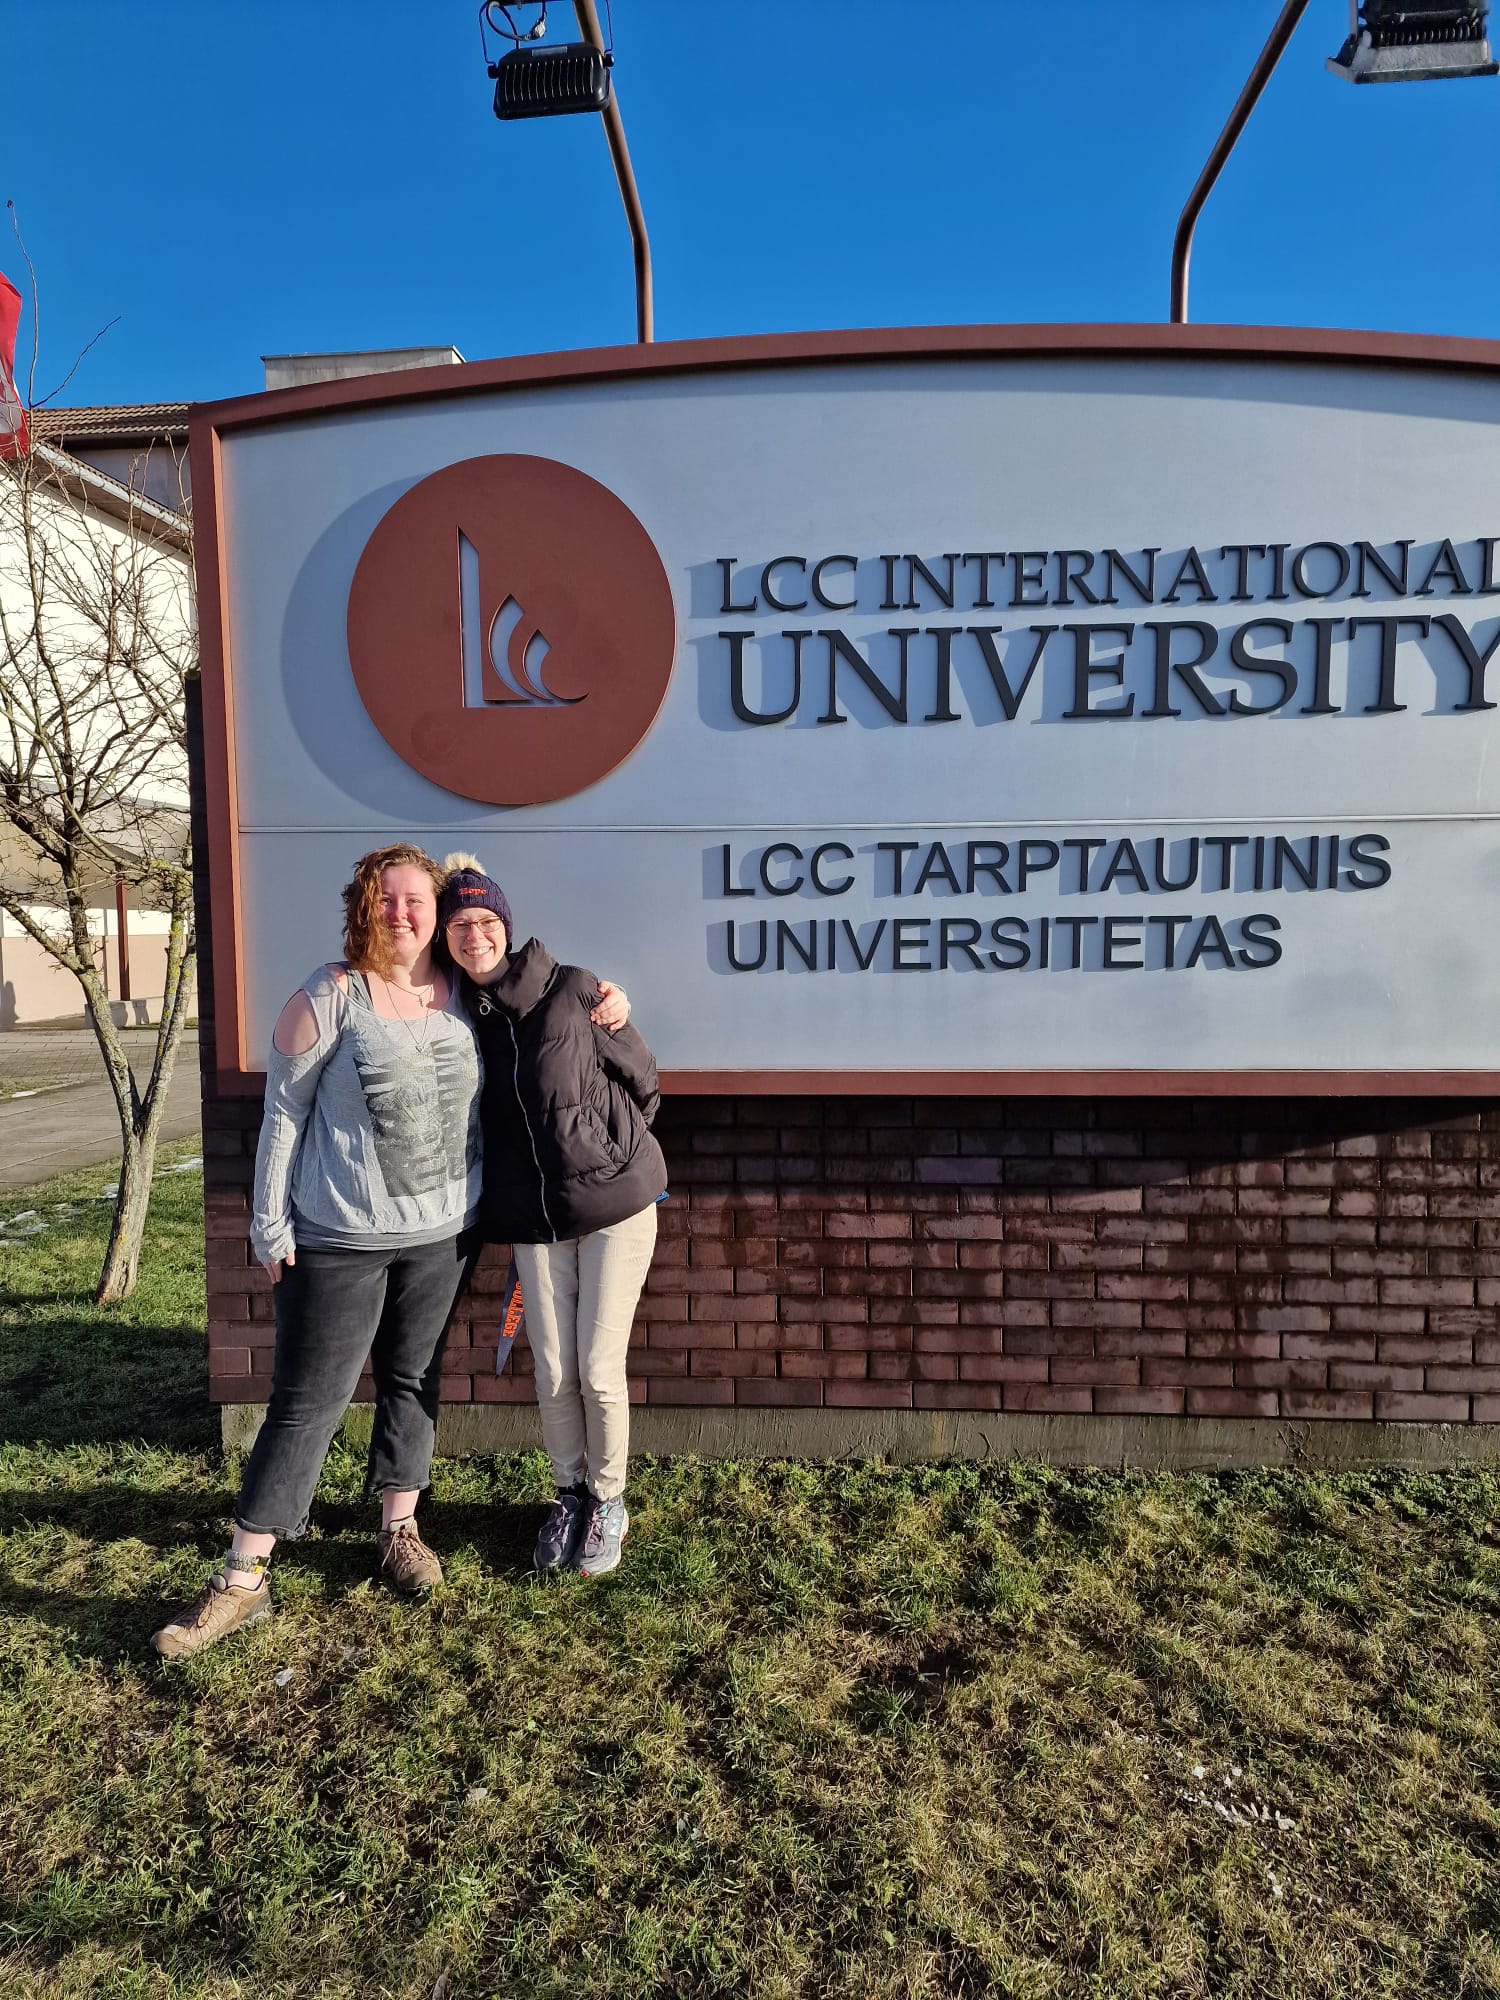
[873, 705]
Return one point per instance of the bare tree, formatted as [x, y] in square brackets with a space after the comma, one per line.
[97, 637]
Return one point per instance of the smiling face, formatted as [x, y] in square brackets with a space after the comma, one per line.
[478, 943]
[408, 909]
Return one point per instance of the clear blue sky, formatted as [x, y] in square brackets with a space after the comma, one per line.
[300, 175]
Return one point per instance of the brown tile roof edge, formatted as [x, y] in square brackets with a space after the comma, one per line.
[110, 420]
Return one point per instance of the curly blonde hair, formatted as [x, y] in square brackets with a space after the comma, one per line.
[367, 942]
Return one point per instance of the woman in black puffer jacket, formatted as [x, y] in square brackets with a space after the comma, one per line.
[572, 1177]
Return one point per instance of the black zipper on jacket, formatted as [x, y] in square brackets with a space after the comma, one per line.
[487, 1006]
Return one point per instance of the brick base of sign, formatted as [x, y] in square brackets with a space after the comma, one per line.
[1235, 1262]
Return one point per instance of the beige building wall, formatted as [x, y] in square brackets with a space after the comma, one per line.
[35, 989]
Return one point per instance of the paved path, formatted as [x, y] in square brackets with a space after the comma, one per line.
[43, 1057]
[66, 1122]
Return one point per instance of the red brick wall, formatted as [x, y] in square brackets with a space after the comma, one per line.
[1165, 1256]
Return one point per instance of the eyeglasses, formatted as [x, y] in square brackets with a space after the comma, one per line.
[467, 927]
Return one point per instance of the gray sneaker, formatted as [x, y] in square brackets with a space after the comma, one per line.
[599, 1550]
[561, 1529]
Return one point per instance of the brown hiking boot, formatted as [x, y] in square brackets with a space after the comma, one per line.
[216, 1611]
[406, 1561]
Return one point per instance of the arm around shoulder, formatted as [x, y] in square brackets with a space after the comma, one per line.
[624, 1055]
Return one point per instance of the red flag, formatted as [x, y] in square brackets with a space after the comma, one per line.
[13, 438]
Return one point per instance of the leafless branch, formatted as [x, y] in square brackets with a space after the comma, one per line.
[36, 317]
[41, 402]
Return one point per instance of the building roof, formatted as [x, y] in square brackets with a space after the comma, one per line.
[291, 371]
[96, 489]
[121, 423]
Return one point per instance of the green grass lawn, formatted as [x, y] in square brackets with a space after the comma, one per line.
[841, 1730]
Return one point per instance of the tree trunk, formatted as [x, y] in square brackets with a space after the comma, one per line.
[140, 1112]
[122, 1255]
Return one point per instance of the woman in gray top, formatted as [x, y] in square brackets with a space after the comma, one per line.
[366, 1182]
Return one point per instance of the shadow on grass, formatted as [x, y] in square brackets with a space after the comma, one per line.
[194, 1523]
[102, 1628]
[76, 1373]
[500, 1533]
[70, 1374]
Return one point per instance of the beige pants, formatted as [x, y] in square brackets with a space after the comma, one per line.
[580, 1299]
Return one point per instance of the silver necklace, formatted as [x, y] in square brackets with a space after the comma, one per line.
[424, 997]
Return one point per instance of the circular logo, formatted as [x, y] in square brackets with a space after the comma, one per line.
[511, 629]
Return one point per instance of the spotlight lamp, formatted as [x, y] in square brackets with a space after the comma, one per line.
[532, 82]
[1413, 41]
[547, 83]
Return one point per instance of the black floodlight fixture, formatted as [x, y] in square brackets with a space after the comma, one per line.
[548, 83]
[1414, 41]
[532, 82]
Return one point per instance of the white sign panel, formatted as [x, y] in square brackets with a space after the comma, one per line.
[1122, 714]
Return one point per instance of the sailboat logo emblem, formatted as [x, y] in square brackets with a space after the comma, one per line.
[511, 629]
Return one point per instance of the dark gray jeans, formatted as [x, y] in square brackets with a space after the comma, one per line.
[334, 1308]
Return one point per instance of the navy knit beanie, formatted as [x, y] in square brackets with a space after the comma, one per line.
[467, 887]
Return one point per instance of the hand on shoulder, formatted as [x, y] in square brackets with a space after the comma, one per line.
[612, 1009]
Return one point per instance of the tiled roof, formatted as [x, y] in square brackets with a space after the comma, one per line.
[111, 420]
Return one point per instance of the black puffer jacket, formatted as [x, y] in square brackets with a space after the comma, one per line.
[566, 1108]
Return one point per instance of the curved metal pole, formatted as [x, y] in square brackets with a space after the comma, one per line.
[588, 25]
[1245, 103]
